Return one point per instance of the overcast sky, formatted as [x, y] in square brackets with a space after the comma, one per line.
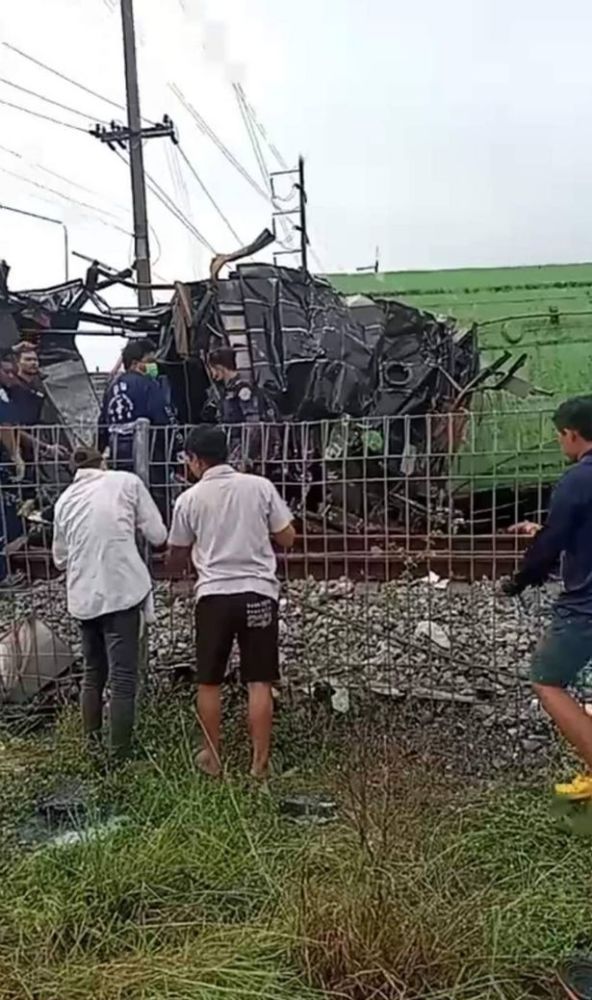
[448, 135]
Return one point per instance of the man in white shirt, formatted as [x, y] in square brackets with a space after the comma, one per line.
[96, 522]
[227, 522]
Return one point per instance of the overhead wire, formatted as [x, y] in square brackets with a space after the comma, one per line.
[181, 152]
[94, 209]
[121, 107]
[252, 123]
[168, 203]
[212, 135]
[47, 118]
[49, 100]
[249, 115]
[287, 227]
[238, 88]
[67, 180]
[67, 79]
[182, 196]
[61, 177]
[161, 194]
[179, 184]
[203, 125]
[254, 142]
[59, 194]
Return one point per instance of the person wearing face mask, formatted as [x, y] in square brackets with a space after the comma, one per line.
[134, 394]
[241, 409]
[227, 523]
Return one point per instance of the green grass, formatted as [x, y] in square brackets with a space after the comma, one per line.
[423, 889]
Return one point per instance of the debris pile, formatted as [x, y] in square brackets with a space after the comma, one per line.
[440, 665]
[434, 663]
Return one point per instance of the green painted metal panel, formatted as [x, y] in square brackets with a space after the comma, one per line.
[545, 312]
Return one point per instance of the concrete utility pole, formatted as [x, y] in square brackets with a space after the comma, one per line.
[134, 124]
[133, 136]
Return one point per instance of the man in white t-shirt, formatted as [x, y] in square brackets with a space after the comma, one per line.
[227, 522]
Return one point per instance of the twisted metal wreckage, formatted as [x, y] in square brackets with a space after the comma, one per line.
[341, 364]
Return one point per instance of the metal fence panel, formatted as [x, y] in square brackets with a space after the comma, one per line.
[389, 611]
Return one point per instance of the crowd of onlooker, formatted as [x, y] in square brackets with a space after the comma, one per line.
[136, 390]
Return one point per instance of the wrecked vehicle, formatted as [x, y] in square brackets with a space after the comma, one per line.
[367, 391]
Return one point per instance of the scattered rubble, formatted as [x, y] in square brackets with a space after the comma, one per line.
[372, 652]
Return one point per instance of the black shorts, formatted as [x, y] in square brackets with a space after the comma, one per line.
[253, 621]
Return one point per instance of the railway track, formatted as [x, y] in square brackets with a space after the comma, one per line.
[367, 556]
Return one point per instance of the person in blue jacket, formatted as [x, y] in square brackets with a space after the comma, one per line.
[138, 392]
[565, 540]
[134, 394]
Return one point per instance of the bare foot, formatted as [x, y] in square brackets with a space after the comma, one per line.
[208, 763]
[260, 773]
[260, 781]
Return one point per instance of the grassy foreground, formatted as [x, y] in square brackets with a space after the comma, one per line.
[421, 890]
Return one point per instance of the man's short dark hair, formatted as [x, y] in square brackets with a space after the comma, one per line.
[7, 358]
[575, 415]
[136, 350]
[86, 458]
[25, 347]
[223, 357]
[208, 444]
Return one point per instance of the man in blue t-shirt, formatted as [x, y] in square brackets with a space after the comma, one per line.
[566, 648]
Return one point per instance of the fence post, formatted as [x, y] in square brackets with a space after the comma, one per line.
[141, 459]
[141, 453]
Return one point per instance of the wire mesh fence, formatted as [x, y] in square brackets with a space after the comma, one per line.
[389, 613]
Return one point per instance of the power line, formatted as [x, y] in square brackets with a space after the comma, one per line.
[210, 198]
[247, 122]
[253, 125]
[247, 116]
[63, 76]
[167, 201]
[182, 195]
[262, 132]
[49, 100]
[47, 118]
[169, 204]
[204, 126]
[59, 194]
[209, 132]
[97, 219]
[61, 177]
